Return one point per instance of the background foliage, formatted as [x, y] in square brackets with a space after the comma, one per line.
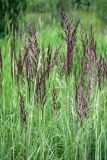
[10, 12]
[101, 9]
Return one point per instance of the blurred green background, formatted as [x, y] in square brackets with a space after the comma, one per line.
[14, 12]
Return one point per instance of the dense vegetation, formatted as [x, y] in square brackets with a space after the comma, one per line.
[53, 87]
[10, 13]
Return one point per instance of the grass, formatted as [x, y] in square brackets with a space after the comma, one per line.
[52, 130]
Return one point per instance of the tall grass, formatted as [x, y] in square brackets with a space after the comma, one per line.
[53, 97]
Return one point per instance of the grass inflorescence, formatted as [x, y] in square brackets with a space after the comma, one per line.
[53, 98]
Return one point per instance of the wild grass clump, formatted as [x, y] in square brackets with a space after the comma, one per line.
[56, 101]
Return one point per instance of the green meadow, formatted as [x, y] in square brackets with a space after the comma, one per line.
[53, 88]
